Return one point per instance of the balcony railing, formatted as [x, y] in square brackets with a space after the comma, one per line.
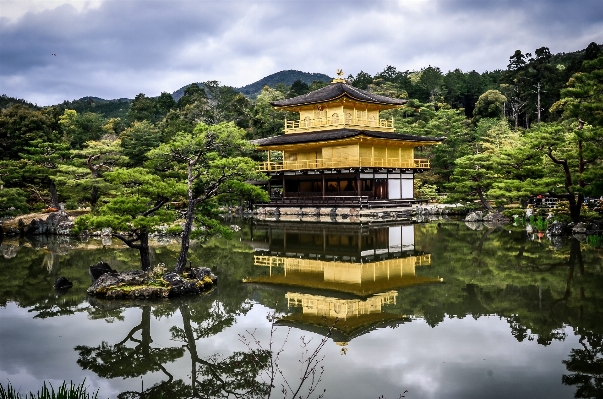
[343, 164]
[308, 124]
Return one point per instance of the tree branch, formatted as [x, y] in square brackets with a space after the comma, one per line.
[160, 202]
[128, 242]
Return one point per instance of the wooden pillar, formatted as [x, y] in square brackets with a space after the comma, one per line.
[283, 185]
[323, 185]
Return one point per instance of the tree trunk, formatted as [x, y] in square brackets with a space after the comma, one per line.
[145, 255]
[94, 196]
[186, 237]
[485, 202]
[191, 343]
[54, 197]
[145, 334]
[574, 207]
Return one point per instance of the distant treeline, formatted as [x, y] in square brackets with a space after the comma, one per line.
[464, 107]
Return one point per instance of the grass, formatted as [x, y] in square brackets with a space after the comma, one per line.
[64, 392]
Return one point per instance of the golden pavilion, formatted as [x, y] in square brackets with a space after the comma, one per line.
[349, 273]
[340, 151]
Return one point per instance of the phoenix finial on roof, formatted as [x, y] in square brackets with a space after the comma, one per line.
[339, 78]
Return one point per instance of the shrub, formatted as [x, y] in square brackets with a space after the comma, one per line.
[511, 213]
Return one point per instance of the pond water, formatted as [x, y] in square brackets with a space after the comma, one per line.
[428, 310]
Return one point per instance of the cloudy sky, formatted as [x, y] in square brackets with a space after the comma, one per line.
[119, 48]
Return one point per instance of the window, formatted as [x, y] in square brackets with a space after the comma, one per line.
[335, 119]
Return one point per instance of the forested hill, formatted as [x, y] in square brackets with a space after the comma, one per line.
[6, 101]
[117, 108]
[283, 77]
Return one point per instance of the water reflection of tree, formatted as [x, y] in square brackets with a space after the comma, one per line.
[213, 376]
[121, 360]
[538, 290]
[217, 376]
[586, 366]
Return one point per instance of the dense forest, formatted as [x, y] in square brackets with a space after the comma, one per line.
[535, 127]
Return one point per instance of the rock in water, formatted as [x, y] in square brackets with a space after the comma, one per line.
[99, 269]
[556, 229]
[474, 217]
[201, 272]
[62, 284]
[474, 225]
[579, 228]
[138, 284]
[497, 218]
[108, 281]
[180, 286]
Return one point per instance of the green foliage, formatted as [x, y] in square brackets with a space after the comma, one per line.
[432, 80]
[81, 178]
[595, 240]
[136, 190]
[134, 208]
[298, 88]
[540, 223]
[206, 228]
[20, 125]
[174, 229]
[80, 128]
[208, 161]
[13, 202]
[112, 109]
[385, 88]
[193, 107]
[266, 121]
[420, 119]
[512, 213]
[425, 190]
[226, 105]
[138, 139]
[362, 80]
[6, 101]
[489, 105]
[143, 108]
[165, 103]
[583, 98]
[477, 175]
[439, 105]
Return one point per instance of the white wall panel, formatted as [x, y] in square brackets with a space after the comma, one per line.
[393, 187]
[407, 189]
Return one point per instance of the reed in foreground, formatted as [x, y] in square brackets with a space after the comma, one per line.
[64, 392]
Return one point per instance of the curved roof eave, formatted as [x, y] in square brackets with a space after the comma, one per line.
[340, 134]
[335, 91]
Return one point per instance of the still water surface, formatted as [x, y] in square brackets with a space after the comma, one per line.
[439, 310]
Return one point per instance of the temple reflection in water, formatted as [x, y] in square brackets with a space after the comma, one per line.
[346, 272]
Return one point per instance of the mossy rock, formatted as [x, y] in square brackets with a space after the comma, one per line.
[137, 284]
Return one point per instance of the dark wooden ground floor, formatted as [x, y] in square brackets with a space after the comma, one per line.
[371, 188]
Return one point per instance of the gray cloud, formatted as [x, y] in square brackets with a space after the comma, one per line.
[121, 48]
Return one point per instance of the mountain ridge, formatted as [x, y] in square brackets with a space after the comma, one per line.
[286, 77]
